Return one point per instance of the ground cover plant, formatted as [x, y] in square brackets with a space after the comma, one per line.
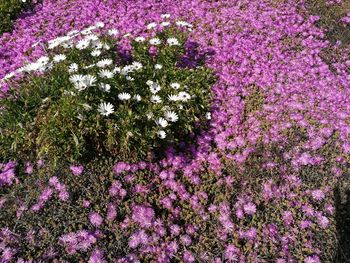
[244, 158]
[10, 11]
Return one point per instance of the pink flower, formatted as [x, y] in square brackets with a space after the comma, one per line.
[318, 194]
[249, 208]
[76, 170]
[95, 219]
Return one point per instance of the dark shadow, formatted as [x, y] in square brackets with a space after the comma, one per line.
[342, 217]
[194, 56]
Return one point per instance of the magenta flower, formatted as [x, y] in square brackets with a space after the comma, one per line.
[249, 208]
[76, 170]
[95, 219]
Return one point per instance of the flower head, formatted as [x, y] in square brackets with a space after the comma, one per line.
[105, 109]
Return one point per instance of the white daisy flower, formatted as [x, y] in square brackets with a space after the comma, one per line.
[117, 69]
[208, 116]
[175, 85]
[69, 44]
[106, 47]
[184, 96]
[158, 66]
[156, 99]
[173, 97]
[97, 44]
[164, 24]
[100, 24]
[89, 80]
[82, 44]
[140, 39]
[137, 97]
[75, 78]
[43, 60]
[173, 41]
[105, 87]
[162, 122]
[104, 62]
[105, 109]
[161, 134]
[73, 68]
[96, 53]
[155, 41]
[151, 25]
[183, 23]
[149, 82]
[136, 65]
[106, 74]
[154, 88]
[113, 32]
[165, 15]
[171, 116]
[124, 96]
[59, 57]
[91, 37]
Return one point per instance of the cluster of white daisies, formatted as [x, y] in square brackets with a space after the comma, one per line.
[89, 39]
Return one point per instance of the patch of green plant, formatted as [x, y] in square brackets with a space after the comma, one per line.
[10, 10]
[85, 99]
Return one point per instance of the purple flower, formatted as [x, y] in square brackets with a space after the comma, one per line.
[318, 194]
[143, 215]
[188, 257]
[95, 219]
[76, 170]
[97, 256]
[249, 208]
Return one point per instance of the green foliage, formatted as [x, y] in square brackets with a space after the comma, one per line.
[49, 114]
[9, 11]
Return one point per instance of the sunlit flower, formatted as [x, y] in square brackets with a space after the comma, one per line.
[165, 24]
[96, 53]
[162, 122]
[171, 116]
[173, 41]
[104, 62]
[151, 25]
[106, 74]
[175, 85]
[105, 109]
[105, 87]
[100, 24]
[82, 44]
[173, 97]
[154, 88]
[59, 57]
[184, 96]
[208, 116]
[156, 99]
[161, 134]
[124, 96]
[155, 41]
[137, 97]
[158, 66]
[73, 68]
[140, 39]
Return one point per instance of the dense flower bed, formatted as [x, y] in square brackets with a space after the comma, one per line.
[255, 186]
